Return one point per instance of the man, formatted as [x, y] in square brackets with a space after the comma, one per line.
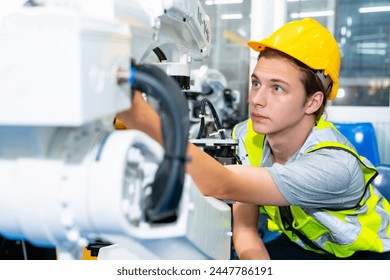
[302, 172]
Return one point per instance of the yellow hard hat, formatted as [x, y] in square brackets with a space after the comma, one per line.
[309, 42]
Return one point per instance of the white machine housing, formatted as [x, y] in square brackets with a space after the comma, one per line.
[59, 64]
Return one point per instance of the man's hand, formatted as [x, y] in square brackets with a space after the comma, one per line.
[143, 117]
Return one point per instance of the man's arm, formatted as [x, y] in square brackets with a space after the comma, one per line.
[233, 182]
[247, 242]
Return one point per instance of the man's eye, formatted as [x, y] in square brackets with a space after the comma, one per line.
[255, 84]
[278, 88]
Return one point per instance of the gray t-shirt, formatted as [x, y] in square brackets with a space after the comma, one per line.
[326, 178]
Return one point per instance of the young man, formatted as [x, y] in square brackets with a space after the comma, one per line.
[296, 166]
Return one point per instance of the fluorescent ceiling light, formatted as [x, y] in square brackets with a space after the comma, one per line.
[231, 16]
[222, 2]
[368, 45]
[377, 9]
[312, 14]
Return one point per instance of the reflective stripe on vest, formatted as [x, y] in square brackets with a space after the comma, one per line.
[365, 227]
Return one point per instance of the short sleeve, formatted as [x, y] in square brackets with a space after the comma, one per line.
[327, 178]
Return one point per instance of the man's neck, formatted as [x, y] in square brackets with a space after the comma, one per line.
[286, 143]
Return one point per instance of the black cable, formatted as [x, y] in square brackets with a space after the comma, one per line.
[217, 122]
[160, 54]
[201, 127]
[236, 157]
[162, 204]
[203, 93]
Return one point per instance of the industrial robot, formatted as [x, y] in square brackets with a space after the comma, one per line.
[67, 177]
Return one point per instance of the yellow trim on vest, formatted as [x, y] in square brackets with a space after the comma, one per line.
[322, 124]
[255, 147]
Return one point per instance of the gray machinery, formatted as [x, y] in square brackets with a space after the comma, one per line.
[209, 92]
[213, 112]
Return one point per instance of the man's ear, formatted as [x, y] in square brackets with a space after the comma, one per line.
[314, 102]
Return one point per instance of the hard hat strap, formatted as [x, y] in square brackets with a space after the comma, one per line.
[325, 80]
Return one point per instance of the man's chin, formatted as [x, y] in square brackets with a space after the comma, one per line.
[260, 129]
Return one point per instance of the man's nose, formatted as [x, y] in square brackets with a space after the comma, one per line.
[259, 96]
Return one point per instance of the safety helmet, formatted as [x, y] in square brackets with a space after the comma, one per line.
[309, 42]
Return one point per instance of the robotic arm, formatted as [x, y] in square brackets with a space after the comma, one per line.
[170, 33]
[180, 28]
[66, 177]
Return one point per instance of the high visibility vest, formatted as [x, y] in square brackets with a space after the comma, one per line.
[341, 232]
